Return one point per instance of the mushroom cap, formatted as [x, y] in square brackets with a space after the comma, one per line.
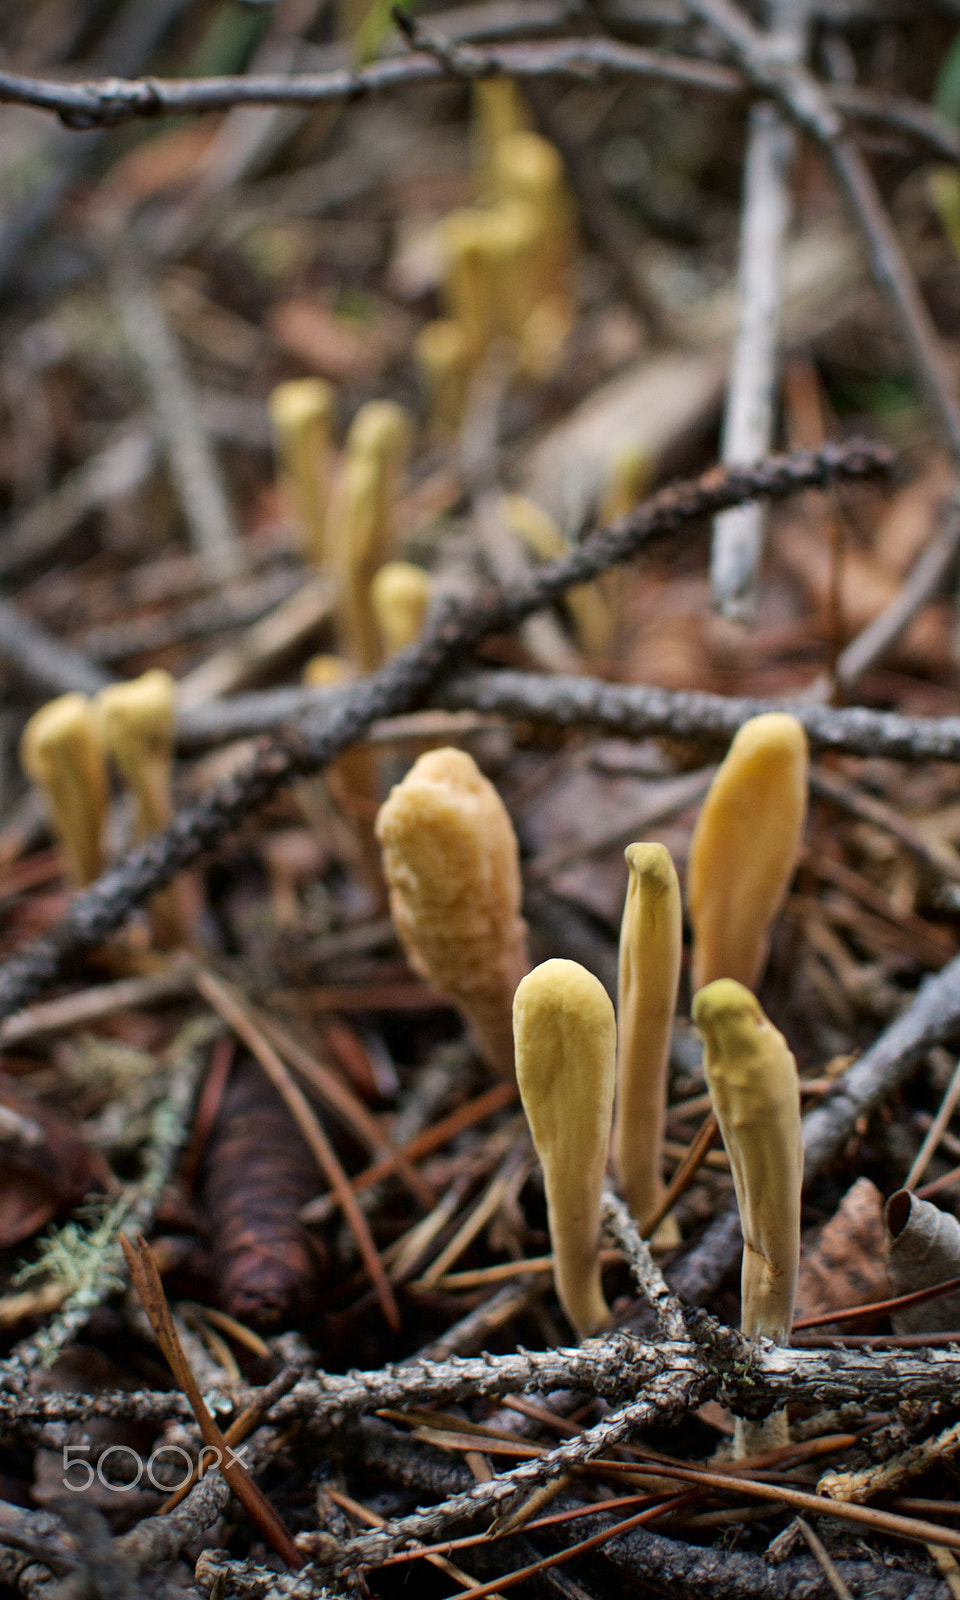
[440, 347]
[326, 671]
[566, 1038]
[60, 750]
[400, 596]
[528, 166]
[738, 1037]
[298, 403]
[137, 719]
[381, 429]
[745, 847]
[450, 859]
[63, 723]
[445, 828]
[653, 865]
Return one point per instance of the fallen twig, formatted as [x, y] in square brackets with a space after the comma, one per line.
[398, 686]
[106, 102]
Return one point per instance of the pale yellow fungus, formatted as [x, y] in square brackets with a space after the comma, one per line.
[530, 169]
[589, 610]
[362, 520]
[400, 595]
[468, 279]
[451, 863]
[442, 355]
[137, 724]
[745, 847]
[629, 477]
[565, 1041]
[753, 1083]
[60, 751]
[302, 417]
[498, 111]
[651, 944]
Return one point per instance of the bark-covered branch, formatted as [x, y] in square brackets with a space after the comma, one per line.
[618, 1367]
[399, 686]
[639, 712]
[105, 102]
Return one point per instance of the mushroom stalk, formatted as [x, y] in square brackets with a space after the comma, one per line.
[745, 847]
[565, 1041]
[752, 1078]
[302, 415]
[353, 780]
[651, 944]
[60, 751]
[362, 516]
[137, 728]
[451, 863]
[137, 724]
[591, 615]
[498, 111]
[443, 361]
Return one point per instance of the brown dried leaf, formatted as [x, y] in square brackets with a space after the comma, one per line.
[845, 1266]
[335, 347]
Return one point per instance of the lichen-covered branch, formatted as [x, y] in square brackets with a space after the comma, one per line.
[99, 1265]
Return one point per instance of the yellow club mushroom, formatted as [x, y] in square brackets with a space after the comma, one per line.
[745, 847]
[753, 1083]
[302, 417]
[326, 672]
[400, 595]
[468, 284]
[565, 1041]
[498, 111]
[589, 610]
[630, 474]
[514, 241]
[353, 778]
[530, 169]
[544, 335]
[490, 259]
[137, 723]
[651, 944]
[442, 355]
[60, 751]
[451, 863]
[362, 520]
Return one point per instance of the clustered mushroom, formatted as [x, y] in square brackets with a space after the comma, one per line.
[506, 261]
[64, 750]
[450, 859]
